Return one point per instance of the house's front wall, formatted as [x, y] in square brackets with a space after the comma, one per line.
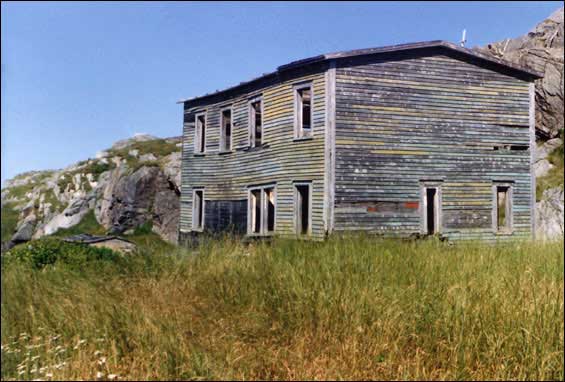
[411, 119]
[226, 177]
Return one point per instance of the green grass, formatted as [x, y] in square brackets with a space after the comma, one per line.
[158, 147]
[20, 192]
[349, 308]
[88, 224]
[9, 221]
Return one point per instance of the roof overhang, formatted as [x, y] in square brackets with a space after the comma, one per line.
[528, 73]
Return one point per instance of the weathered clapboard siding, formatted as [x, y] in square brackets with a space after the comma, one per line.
[408, 117]
[281, 161]
[385, 121]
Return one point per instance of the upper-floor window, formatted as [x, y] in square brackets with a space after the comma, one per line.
[303, 110]
[225, 130]
[200, 134]
[255, 123]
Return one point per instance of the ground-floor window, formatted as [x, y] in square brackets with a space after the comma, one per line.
[302, 208]
[261, 210]
[198, 209]
[502, 207]
[430, 207]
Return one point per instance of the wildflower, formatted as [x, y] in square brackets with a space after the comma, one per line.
[80, 342]
[99, 375]
[111, 377]
[49, 375]
[102, 361]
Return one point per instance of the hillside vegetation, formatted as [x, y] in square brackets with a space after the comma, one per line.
[352, 307]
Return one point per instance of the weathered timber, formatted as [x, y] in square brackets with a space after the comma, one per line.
[398, 134]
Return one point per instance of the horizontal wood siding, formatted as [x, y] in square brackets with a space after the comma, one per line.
[400, 121]
[281, 160]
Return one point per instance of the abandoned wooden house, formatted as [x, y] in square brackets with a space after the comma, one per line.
[422, 138]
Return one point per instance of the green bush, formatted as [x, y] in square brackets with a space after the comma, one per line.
[49, 251]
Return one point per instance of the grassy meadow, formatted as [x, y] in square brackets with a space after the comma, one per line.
[352, 307]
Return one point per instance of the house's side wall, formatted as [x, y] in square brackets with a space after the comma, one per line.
[409, 119]
[283, 160]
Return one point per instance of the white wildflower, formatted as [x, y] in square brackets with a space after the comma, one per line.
[102, 361]
[111, 377]
[99, 375]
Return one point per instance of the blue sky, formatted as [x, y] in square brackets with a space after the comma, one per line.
[78, 76]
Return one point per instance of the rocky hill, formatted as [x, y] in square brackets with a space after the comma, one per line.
[135, 182]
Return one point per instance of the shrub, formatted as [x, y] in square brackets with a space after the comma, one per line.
[49, 251]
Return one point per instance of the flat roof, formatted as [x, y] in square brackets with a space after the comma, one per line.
[379, 50]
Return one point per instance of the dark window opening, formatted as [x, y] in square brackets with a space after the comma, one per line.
[200, 133]
[198, 209]
[226, 131]
[519, 147]
[256, 124]
[262, 210]
[270, 199]
[511, 147]
[303, 209]
[304, 111]
[431, 210]
[503, 208]
[256, 211]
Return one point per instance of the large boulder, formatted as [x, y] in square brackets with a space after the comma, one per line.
[72, 215]
[172, 168]
[549, 215]
[128, 201]
[166, 211]
[24, 230]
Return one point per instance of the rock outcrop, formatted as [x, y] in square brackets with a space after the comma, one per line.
[125, 186]
[549, 215]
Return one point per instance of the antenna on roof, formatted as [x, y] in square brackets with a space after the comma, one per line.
[464, 37]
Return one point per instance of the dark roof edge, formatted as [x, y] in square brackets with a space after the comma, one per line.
[370, 51]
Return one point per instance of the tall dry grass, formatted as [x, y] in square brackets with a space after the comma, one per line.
[352, 307]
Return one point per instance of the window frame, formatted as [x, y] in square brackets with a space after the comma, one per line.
[251, 121]
[509, 208]
[196, 135]
[194, 218]
[424, 186]
[221, 148]
[263, 201]
[295, 185]
[298, 126]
